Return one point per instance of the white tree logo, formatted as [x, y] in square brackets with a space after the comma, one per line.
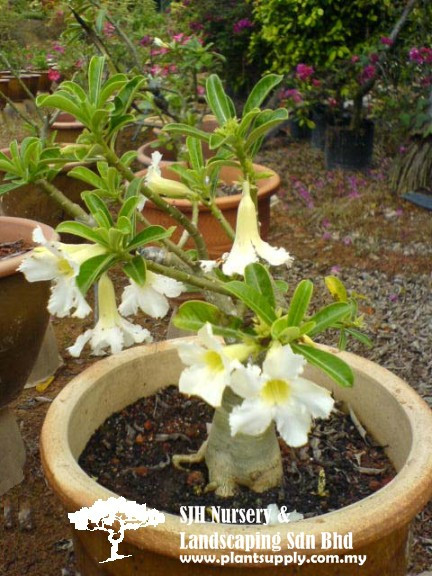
[115, 516]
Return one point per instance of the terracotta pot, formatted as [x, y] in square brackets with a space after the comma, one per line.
[4, 89]
[216, 238]
[29, 201]
[68, 128]
[23, 322]
[389, 408]
[208, 124]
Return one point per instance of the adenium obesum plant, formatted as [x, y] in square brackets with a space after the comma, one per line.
[254, 334]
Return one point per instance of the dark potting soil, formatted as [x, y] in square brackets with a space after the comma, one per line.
[131, 453]
[228, 190]
[10, 249]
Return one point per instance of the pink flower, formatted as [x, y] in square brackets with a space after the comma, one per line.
[367, 73]
[393, 297]
[304, 72]
[58, 48]
[347, 240]
[146, 40]
[201, 90]
[79, 63]
[386, 41]
[332, 102]
[355, 58]
[241, 25]
[54, 75]
[326, 235]
[316, 82]
[415, 56]
[374, 57]
[402, 149]
[108, 30]
[292, 94]
[178, 37]
[155, 70]
[335, 270]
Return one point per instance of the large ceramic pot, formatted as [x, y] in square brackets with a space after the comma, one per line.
[29, 201]
[215, 236]
[391, 411]
[23, 322]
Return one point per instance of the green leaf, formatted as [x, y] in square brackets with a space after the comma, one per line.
[62, 101]
[98, 209]
[275, 118]
[5, 188]
[86, 175]
[253, 300]
[82, 231]
[220, 104]
[359, 336]
[186, 130]
[329, 316]
[194, 314]
[129, 207]
[196, 156]
[150, 234]
[136, 269]
[260, 91]
[300, 302]
[92, 269]
[332, 365]
[95, 77]
[258, 277]
[281, 286]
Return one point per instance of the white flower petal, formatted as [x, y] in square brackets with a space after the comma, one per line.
[281, 363]
[76, 349]
[38, 236]
[250, 418]
[205, 337]
[167, 286]
[242, 253]
[293, 424]
[195, 381]
[39, 266]
[246, 381]
[317, 399]
[189, 352]
[274, 256]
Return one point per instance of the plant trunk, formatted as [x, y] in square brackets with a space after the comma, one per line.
[241, 460]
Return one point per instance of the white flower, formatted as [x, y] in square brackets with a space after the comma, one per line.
[150, 298]
[60, 263]
[164, 186]
[248, 245]
[278, 393]
[111, 331]
[209, 368]
[208, 265]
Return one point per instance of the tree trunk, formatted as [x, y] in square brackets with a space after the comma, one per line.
[241, 460]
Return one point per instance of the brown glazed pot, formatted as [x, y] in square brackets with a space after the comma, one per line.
[215, 236]
[23, 312]
[68, 128]
[23, 321]
[388, 407]
[29, 201]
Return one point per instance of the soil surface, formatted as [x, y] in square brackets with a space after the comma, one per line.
[131, 455]
[347, 224]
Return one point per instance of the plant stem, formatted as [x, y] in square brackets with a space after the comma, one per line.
[217, 213]
[68, 206]
[203, 283]
[169, 209]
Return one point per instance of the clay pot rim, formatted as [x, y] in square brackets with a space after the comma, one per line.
[369, 519]
[67, 124]
[10, 265]
[266, 187]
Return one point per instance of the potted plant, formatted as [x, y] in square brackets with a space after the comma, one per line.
[255, 334]
[23, 321]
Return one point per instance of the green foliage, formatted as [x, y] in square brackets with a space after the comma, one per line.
[316, 32]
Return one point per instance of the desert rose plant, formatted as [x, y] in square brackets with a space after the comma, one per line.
[254, 333]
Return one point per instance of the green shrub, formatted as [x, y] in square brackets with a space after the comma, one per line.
[316, 32]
